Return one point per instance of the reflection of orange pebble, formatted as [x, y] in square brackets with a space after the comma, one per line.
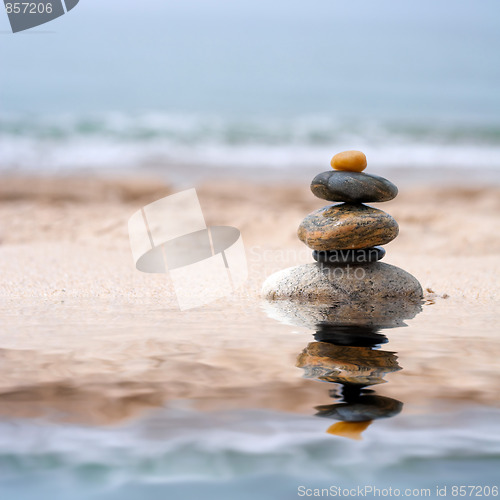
[351, 430]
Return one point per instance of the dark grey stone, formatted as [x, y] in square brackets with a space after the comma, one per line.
[359, 256]
[354, 187]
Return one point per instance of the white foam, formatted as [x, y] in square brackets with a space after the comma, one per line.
[119, 141]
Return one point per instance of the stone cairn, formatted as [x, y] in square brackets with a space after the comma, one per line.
[352, 231]
[345, 239]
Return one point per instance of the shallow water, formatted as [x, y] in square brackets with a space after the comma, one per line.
[117, 399]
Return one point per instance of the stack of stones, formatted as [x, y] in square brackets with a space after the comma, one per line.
[349, 233]
[345, 239]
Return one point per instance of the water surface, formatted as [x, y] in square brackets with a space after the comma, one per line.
[139, 399]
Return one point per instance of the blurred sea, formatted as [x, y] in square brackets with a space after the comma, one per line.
[117, 141]
[234, 84]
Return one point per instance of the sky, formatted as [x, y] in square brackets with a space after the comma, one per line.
[437, 58]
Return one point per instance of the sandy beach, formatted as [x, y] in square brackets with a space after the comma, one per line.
[88, 338]
[447, 237]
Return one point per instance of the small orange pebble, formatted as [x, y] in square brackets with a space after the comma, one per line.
[352, 161]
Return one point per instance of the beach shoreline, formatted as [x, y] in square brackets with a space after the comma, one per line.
[446, 236]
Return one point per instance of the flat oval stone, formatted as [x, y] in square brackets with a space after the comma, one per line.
[354, 187]
[339, 227]
[359, 256]
[354, 161]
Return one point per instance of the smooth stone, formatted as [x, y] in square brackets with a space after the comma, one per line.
[353, 161]
[354, 187]
[316, 295]
[339, 227]
[359, 256]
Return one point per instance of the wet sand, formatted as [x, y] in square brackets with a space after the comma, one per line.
[85, 337]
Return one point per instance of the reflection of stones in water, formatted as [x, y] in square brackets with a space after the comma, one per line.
[346, 352]
[345, 355]
[342, 314]
[348, 334]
